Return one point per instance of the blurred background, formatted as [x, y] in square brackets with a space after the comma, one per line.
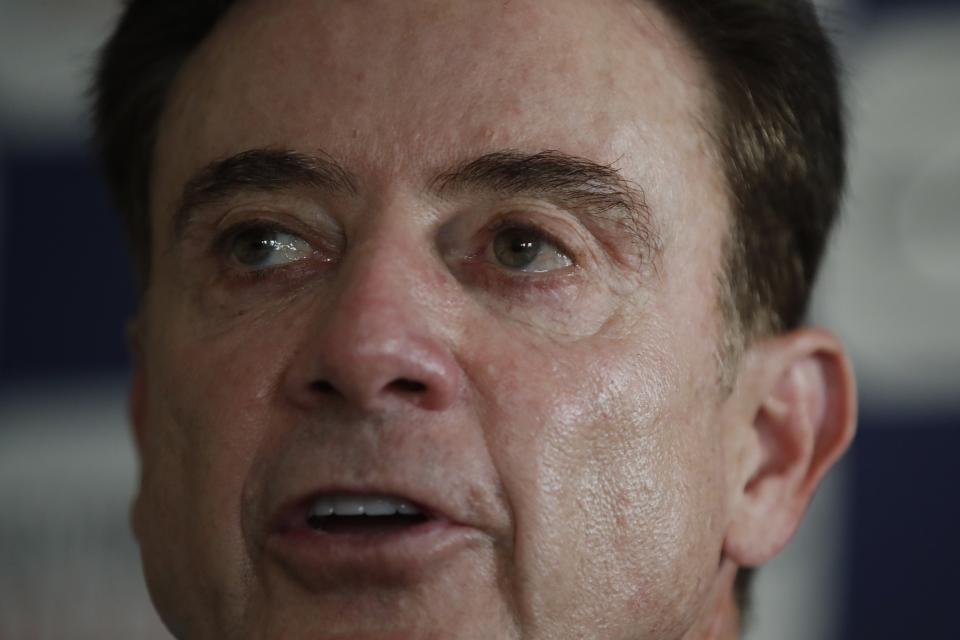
[879, 555]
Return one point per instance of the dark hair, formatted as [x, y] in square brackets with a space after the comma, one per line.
[136, 69]
[779, 126]
[777, 121]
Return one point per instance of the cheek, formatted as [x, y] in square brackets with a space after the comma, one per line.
[207, 412]
[209, 398]
[607, 460]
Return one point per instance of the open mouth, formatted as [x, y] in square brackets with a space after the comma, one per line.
[330, 536]
[362, 514]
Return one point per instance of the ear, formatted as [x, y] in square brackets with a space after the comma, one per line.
[795, 410]
[137, 398]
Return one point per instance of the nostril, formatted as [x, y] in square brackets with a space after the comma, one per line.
[322, 386]
[405, 385]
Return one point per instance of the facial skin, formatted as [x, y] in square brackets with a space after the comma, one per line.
[565, 419]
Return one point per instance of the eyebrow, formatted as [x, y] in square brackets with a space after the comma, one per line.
[594, 190]
[264, 170]
[591, 189]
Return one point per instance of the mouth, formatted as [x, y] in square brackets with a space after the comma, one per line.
[330, 537]
[344, 514]
[340, 514]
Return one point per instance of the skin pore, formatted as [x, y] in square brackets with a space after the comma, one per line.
[401, 161]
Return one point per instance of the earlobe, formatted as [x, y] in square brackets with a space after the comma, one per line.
[798, 405]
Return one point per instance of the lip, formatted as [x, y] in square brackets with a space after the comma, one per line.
[319, 559]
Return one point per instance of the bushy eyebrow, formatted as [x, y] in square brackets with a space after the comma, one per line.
[587, 188]
[264, 170]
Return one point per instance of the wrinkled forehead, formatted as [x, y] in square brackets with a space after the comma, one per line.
[391, 86]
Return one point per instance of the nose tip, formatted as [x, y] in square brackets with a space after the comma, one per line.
[375, 374]
[383, 336]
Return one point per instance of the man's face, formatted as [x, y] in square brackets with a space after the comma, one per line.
[498, 306]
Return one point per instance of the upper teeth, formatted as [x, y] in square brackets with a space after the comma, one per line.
[361, 505]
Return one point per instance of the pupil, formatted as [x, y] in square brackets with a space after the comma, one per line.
[254, 247]
[517, 248]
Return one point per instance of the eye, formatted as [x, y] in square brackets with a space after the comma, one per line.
[262, 247]
[528, 250]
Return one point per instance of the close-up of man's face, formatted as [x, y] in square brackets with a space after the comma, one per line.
[435, 341]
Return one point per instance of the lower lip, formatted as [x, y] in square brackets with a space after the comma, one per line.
[321, 560]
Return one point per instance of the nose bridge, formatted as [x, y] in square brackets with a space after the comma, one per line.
[385, 280]
[382, 339]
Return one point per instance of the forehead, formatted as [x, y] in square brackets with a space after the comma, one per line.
[409, 87]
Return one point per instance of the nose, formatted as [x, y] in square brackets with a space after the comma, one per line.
[377, 344]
